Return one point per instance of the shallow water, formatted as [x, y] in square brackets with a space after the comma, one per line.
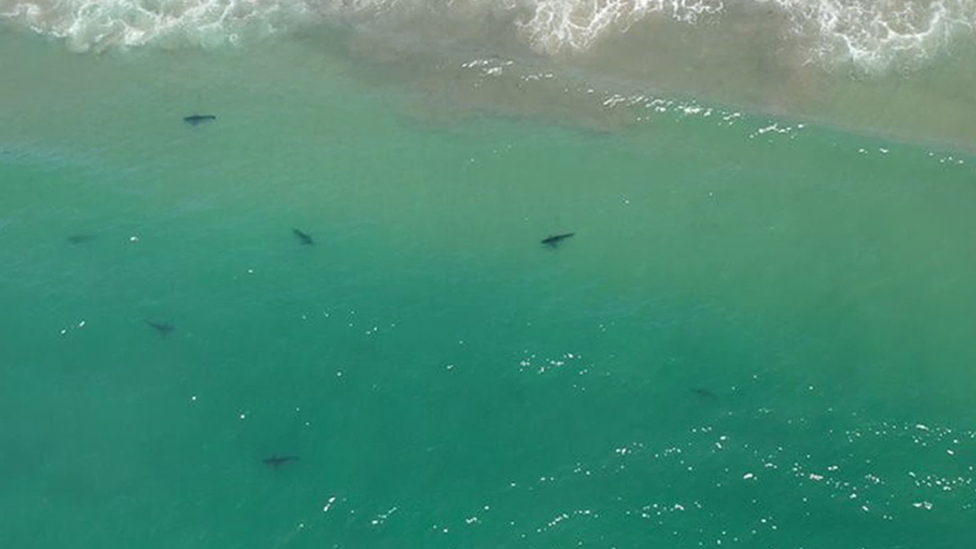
[759, 335]
[898, 68]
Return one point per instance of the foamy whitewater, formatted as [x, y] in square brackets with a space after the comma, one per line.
[873, 35]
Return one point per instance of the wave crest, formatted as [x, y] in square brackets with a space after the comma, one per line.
[558, 24]
[879, 34]
[873, 34]
[100, 24]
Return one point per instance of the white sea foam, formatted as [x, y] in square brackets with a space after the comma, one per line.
[558, 24]
[100, 24]
[873, 34]
[878, 34]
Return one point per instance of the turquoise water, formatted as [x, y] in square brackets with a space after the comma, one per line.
[759, 336]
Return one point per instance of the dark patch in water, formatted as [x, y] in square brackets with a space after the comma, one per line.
[196, 119]
[161, 327]
[278, 461]
[80, 238]
[304, 237]
[554, 240]
[705, 393]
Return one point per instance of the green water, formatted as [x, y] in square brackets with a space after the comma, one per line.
[757, 340]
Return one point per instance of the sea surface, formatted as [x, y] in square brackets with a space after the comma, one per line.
[759, 335]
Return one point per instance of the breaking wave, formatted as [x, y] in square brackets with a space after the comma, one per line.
[872, 34]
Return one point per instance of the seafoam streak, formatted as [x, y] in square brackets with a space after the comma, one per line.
[557, 24]
[100, 24]
[874, 35]
[878, 34]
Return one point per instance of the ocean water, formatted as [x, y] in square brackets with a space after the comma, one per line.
[759, 335]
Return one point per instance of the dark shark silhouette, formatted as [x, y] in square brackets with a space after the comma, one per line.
[80, 238]
[554, 240]
[304, 237]
[195, 119]
[161, 327]
[705, 393]
[278, 461]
